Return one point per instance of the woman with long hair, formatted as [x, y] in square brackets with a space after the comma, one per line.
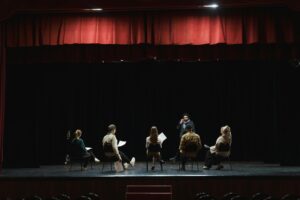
[154, 146]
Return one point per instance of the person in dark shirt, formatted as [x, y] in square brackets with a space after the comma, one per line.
[78, 149]
[183, 123]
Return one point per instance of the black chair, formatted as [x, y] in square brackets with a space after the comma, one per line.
[34, 197]
[229, 195]
[93, 196]
[108, 156]
[154, 150]
[83, 197]
[76, 157]
[239, 197]
[63, 197]
[200, 194]
[206, 197]
[290, 197]
[225, 147]
[259, 196]
[191, 154]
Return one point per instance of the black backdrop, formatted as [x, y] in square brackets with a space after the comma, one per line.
[257, 99]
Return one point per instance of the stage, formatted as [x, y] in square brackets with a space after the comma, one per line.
[239, 169]
[245, 178]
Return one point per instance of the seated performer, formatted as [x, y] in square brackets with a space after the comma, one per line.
[190, 144]
[78, 149]
[110, 147]
[154, 146]
[220, 150]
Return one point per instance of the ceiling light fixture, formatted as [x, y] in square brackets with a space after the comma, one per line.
[94, 9]
[214, 5]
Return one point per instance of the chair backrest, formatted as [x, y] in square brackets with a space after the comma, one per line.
[229, 195]
[75, 150]
[107, 148]
[191, 147]
[153, 148]
[259, 196]
[222, 147]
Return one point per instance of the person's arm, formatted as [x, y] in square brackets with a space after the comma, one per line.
[182, 143]
[115, 147]
[160, 143]
[179, 124]
[216, 146]
[147, 143]
[199, 140]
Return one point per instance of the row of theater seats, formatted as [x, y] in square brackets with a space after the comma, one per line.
[236, 196]
[88, 196]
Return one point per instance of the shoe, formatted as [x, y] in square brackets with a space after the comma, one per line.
[96, 160]
[220, 167]
[126, 165]
[132, 162]
[162, 162]
[205, 167]
[152, 168]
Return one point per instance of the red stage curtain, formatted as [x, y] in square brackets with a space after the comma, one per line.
[171, 28]
[62, 29]
[2, 88]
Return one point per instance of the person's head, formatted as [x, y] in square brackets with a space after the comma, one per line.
[112, 129]
[77, 133]
[186, 117]
[225, 130]
[188, 128]
[153, 134]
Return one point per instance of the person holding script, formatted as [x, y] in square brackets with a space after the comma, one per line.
[110, 146]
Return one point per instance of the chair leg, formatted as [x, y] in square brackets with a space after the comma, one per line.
[103, 163]
[147, 167]
[192, 164]
[71, 163]
[229, 161]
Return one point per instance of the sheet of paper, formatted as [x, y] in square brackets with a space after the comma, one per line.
[121, 143]
[88, 148]
[162, 137]
[118, 166]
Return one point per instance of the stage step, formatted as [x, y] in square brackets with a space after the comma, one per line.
[149, 192]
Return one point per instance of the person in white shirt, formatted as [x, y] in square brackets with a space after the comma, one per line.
[110, 147]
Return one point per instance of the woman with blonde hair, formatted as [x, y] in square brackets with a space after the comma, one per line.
[220, 150]
[154, 146]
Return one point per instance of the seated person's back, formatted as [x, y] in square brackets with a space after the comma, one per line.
[77, 148]
[190, 143]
